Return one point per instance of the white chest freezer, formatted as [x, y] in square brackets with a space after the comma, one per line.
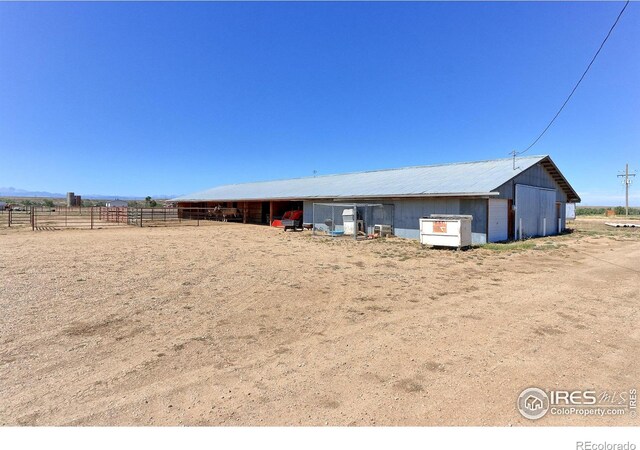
[446, 230]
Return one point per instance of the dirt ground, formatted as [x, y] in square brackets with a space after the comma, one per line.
[230, 324]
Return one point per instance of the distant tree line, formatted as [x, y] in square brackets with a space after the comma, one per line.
[619, 210]
[60, 202]
[147, 203]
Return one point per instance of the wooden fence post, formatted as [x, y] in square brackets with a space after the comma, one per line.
[92, 217]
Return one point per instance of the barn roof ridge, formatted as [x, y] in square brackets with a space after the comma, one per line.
[389, 169]
[459, 178]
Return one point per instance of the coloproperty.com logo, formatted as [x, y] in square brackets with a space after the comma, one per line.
[535, 403]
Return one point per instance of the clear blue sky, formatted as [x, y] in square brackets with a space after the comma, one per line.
[148, 98]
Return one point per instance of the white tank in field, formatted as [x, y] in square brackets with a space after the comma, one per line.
[446, 230]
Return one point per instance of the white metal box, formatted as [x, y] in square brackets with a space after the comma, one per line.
[445, 230]
[349, 221]
[382, 230]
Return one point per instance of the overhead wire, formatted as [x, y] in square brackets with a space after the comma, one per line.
[579, 81]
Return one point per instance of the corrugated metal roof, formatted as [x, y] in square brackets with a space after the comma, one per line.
[462, 179]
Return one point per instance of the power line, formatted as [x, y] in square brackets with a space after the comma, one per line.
[580, 80]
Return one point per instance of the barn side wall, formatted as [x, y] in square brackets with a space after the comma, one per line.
[407, 213]
[536, 176]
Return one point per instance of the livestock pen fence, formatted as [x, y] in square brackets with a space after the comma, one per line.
[96, 217]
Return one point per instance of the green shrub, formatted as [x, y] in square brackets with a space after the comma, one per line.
[590, 211]
[618, 210]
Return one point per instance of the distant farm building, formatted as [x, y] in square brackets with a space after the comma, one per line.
[73, 200]
[116, 203]
[506, 200]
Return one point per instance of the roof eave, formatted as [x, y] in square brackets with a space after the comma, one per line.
[317, 197]
[572, 195]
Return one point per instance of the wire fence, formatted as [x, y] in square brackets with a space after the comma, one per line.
[43, 218]
[353, 220]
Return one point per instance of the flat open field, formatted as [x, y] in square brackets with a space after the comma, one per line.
[230, 324]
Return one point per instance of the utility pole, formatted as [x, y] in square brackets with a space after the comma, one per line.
[627, 183]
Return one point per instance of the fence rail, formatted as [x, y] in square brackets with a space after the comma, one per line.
[39, 218]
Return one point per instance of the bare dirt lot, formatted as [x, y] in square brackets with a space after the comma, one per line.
[230, 324]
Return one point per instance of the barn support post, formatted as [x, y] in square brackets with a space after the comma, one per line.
[560, 230]
[544, 226]
[333, 221]
[270, 212]
[245, 211]
[355, 223]
[487, 227]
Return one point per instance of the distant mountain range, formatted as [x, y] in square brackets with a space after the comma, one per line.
[13, 192]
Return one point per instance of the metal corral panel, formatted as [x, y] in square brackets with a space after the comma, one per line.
[535, 211]
[498, 220]
[458, 179]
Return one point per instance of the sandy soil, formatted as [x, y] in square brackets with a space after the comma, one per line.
[231, 324]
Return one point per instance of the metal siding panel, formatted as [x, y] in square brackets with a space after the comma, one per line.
[533, 176]
[307, 212]
[505, 191]
[407, 214]
[407, 233]
[548, 220]
[533, 204]
[477, 208]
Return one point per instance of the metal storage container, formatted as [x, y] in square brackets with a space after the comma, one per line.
[349, 221]
[446, 230]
